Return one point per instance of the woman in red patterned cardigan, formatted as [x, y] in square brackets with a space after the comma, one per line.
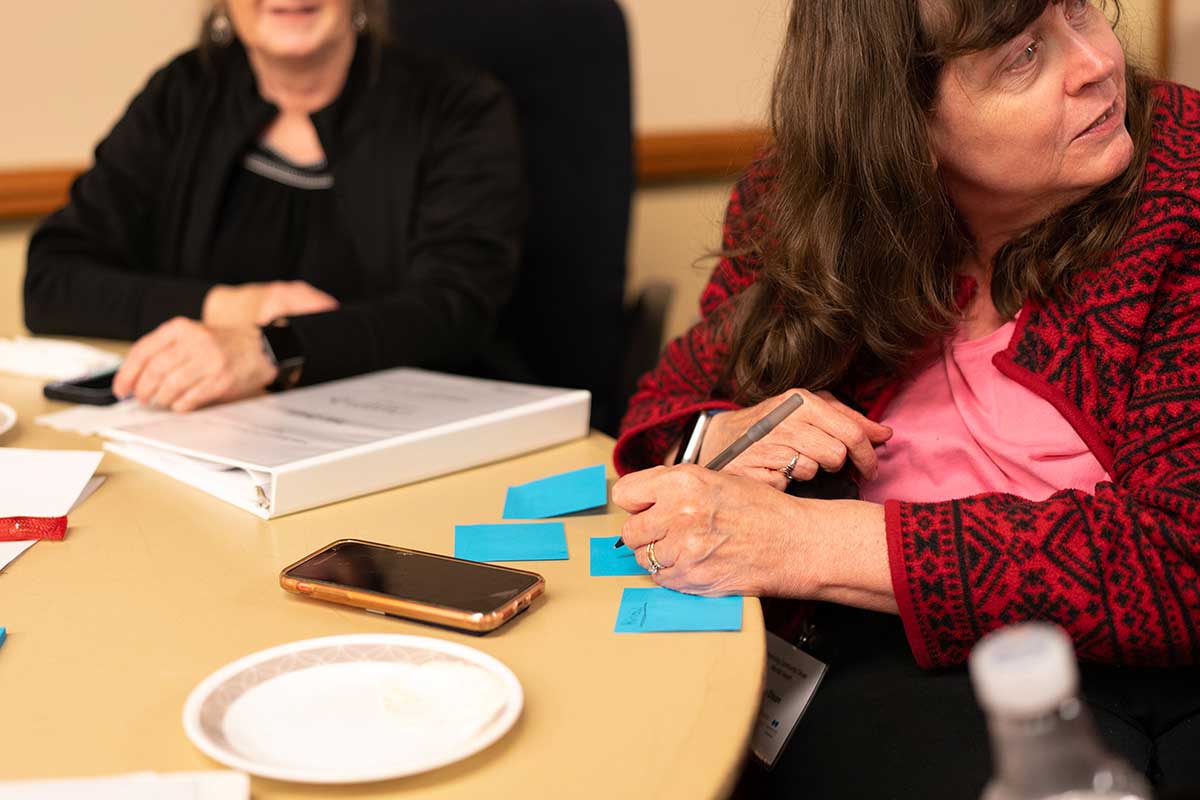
[975, 250]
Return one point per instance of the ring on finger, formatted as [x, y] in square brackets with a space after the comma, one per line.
[791, 465]
[655, 566]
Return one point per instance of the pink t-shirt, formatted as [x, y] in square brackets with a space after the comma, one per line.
[961, 427]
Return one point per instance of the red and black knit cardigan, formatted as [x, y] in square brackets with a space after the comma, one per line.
[1117, 352]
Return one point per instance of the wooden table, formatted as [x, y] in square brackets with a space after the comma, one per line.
[157, 585]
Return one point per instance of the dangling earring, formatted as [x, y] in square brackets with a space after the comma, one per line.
[359, 20]
[220, 29]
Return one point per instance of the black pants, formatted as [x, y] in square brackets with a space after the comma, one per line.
[880, 727]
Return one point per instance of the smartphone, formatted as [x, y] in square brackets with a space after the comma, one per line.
[94, 390]
[413, 584]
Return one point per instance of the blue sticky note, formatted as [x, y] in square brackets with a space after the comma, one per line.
[660, 610]
[607, 560]
[534, 541]
[567, 493]
[3, 635]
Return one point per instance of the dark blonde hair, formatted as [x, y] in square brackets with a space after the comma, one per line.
[857, 241]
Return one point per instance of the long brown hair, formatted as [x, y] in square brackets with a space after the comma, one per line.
[858, 242]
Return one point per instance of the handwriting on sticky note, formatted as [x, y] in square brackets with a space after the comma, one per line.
[636, 617]
[662, 610]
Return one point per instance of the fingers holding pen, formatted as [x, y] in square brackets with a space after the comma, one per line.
[637, 491]
[702, 533]
[823, 432]
[641, 493]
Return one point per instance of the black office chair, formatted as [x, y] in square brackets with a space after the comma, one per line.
[566, 63]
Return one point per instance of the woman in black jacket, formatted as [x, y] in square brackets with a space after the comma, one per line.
[293, 201]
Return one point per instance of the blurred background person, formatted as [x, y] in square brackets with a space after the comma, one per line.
[292, 201]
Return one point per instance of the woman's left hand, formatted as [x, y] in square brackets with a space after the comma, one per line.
[184, 364]
[718, 534]
[714, 533]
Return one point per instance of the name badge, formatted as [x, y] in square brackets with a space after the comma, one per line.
[792, 679]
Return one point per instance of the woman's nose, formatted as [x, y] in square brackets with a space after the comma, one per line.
[1088, 63]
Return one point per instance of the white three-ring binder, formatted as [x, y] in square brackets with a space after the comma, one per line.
[305, 448]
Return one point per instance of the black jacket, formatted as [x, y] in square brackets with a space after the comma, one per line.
[427, 174]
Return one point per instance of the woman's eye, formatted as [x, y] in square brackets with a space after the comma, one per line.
[1026, 56]
[1076, 8]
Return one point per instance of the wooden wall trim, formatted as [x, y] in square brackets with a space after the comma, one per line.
[660, 157]
[34, 192]
[695, 155]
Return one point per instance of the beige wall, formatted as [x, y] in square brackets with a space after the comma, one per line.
[703, 63]
[12, 254]
[1185, 33]
[69, 67]
[1139, 29]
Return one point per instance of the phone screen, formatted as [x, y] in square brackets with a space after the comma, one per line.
[412, 575]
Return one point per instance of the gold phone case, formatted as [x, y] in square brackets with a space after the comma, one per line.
[478, 622]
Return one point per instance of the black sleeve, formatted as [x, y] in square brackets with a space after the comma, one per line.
[463, 251]
[90, 270]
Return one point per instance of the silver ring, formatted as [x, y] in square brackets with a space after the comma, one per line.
[791, 465]
[654, 565]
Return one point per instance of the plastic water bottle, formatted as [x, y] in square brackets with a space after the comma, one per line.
[1044, 744]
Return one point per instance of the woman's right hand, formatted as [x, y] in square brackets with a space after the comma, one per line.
[261, 303]
[822, 434]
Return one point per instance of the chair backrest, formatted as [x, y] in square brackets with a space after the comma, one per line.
[566, 63]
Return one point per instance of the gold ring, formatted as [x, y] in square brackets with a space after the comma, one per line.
[654, 565]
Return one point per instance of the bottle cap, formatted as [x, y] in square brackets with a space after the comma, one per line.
[1024, 670]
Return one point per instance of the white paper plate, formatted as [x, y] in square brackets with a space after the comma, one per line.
[345, 709]
[8, 418]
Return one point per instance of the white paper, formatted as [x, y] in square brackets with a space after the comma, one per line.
[9, 551]
[43, 483]
[89, 420]
[53, 359]
[792, 679]
[269, 432]
[214, 785]
[88, 490]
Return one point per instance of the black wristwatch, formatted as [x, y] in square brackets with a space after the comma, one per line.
[282, 346]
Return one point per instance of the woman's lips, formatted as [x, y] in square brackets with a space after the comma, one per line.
[1105, 123]
[292, 12]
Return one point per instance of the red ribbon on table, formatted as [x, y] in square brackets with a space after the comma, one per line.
[18, 528]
